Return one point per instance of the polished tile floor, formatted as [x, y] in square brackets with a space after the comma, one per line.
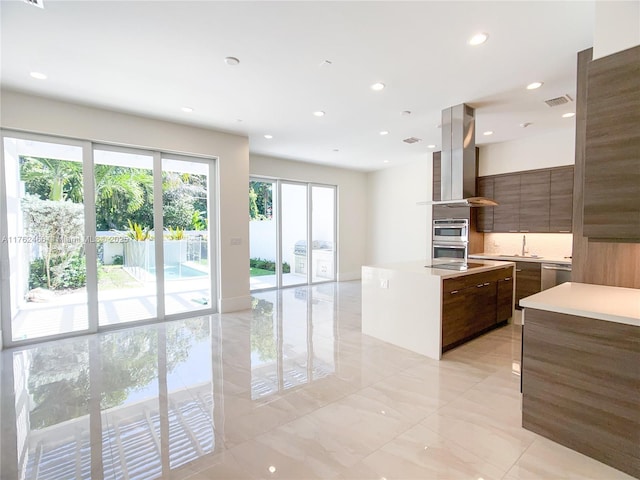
[290, 389]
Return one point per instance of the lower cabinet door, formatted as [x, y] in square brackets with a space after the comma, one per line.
[505, 299]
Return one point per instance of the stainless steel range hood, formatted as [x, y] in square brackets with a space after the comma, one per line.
[458, 167]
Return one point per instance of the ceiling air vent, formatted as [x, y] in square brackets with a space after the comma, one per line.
[412, 140]
[37, 3]
[554, 102]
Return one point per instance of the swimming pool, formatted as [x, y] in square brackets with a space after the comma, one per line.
[179, 271]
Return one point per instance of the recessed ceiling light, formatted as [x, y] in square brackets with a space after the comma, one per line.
[187, 109]
[377, 86]
[478, 39]
[534, 85]
[431, 146]
[385, 161]
[268, 137]
[38, 75]
[232, 61]
[488, 132]
[384, 132]
[568, 115]
[272, 469]
[319, 113]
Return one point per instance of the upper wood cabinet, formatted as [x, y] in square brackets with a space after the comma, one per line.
[530, 201]
[506, 191]
[612, 150]
[535, 189]
[485, 214]
[437, 171]
[561, 200]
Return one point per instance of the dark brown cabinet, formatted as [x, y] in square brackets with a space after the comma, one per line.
[561, 200]
[528, 276]
[506, 215]
[437, 171]
[536, 201]
[612, 149]
[472, 304]
[504, 304]
[485, 214]
[535, 189]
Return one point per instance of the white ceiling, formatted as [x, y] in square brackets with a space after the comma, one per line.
[152, 58]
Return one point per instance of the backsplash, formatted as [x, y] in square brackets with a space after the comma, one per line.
[550, 245]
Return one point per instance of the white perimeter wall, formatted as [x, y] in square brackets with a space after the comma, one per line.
[46, 116]
[552, 149]
[352, 204]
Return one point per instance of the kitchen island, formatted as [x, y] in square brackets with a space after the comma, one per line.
[428, 310]
[581, 370]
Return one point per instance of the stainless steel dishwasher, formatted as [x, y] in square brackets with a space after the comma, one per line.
[554, 274]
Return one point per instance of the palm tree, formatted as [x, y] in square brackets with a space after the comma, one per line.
[121, 190]
[55, 176]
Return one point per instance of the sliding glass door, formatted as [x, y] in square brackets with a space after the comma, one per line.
[95, 236]
[124, 229]
[187, 256]
[296, 240]
[43, 250]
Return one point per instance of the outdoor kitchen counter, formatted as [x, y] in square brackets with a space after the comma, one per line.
[402, 303]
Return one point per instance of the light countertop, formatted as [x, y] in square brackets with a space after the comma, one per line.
[613, 304]
[421, 267]
[518, 258]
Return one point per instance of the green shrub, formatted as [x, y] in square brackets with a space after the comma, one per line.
[71, 274]
[117, 260]
[269, 265]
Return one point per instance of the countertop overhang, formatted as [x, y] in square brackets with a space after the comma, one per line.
[421, 267]
[602, 302]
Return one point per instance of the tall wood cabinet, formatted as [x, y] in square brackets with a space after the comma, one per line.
[612, 150]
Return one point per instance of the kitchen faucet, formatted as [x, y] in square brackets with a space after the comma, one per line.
[524, 245]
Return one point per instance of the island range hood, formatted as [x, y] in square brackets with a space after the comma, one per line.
[458, 160]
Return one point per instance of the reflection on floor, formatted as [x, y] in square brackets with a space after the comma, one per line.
[289, 389]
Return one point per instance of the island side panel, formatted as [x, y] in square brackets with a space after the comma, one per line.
[580, 384]
[402, 308]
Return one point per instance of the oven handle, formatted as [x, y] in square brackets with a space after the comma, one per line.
[450, 246]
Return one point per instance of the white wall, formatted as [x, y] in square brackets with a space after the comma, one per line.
[51, 117]
[617, 27]
[352, 204]
[542, 151]
[397, 227]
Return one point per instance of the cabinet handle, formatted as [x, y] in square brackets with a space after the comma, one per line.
[518, 269]
[524, 231]
[507, 279]
[453, 292]
[487, 284]
[481, 285]
[513, 231]
[564, 231]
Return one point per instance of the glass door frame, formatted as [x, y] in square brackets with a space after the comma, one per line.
[334, 240]
[6, 292]
[89, 202]
[277, 213]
